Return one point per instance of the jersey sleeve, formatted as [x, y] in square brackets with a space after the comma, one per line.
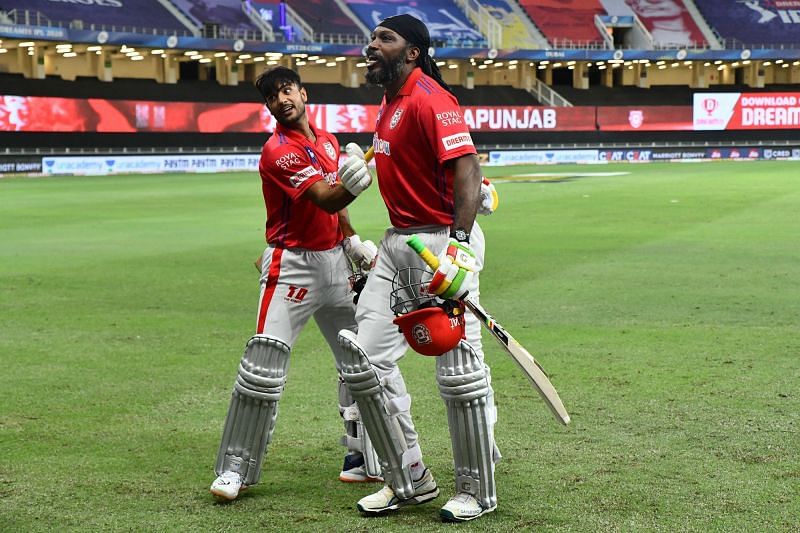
[290, 168]
[440, 116]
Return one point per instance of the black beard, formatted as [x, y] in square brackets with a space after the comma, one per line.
[288, 123]
[387, 73]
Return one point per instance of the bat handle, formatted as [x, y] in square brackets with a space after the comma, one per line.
[370, 154]
[418, 246]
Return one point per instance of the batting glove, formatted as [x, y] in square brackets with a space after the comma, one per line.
[354, 173]
[489, 199]
[362, 253]
[457, 265]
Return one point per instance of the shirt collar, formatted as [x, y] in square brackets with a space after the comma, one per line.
[411, 81]
[296, 135]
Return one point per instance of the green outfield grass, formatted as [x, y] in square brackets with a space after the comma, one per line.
[664, 302]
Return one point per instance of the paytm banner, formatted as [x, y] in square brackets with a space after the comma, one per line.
[746, 111]
[99, 165]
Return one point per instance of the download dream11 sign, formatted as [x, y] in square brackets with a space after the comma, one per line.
[746, 111]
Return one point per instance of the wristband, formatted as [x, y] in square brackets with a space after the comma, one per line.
[460, 235]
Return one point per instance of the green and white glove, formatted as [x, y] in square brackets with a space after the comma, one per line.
[457, 265]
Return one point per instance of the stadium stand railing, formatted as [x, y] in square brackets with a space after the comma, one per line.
[546, 95]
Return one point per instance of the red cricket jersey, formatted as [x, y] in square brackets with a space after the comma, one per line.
[416, 133]
[290, 164]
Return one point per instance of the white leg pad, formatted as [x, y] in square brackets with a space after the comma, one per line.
[356, 438]
[254, 407]
[373, 400]
[464, 387]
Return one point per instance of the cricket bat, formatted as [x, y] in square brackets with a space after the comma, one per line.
[518, 353]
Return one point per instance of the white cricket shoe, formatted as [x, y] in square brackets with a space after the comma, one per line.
[384, 500]
[354, 470]
[463, 507]
[228, 486]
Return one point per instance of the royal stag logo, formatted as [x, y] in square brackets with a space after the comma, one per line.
[421, 334]
[710, 105]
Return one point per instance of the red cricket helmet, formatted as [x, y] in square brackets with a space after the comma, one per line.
[430, 325]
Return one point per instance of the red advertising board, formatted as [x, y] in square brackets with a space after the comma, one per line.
[644, 118]
[49, 114]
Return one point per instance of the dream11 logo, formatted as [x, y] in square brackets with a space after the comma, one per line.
[710, 105]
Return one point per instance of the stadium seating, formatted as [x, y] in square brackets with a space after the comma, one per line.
[325, 17]
[224, 13]
[566, 22]
[753, 22]
[446, 21]
[669, 22]
[137, 16]
[515, 31]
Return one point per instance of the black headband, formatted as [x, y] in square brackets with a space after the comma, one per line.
[411, 29]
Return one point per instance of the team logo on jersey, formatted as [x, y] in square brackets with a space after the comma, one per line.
[302, 176]
[395, 118]
[454, 141]
[329, 150]
[636, 118]
[421, 334]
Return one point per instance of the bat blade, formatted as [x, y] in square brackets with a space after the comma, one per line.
[520, 355]
[529, 366]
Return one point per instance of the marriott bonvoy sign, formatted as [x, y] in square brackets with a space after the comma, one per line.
[746, 111]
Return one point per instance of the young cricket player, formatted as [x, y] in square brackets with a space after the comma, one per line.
[311, 248]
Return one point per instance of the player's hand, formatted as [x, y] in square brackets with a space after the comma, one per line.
[354, 173]
[457, 266]
[362, 253]
[488, 199]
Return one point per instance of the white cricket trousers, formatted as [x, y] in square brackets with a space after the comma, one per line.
[297, 284]
[377, 335]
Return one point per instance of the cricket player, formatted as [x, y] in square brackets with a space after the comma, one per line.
[304, 273]
[430, 180]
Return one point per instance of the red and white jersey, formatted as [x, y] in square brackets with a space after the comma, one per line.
[416, 133]
[290, 164]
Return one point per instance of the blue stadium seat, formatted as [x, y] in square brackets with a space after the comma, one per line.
[752, 22]
[225, 13]
[325, 17]
[446, 21]
[130, 15]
